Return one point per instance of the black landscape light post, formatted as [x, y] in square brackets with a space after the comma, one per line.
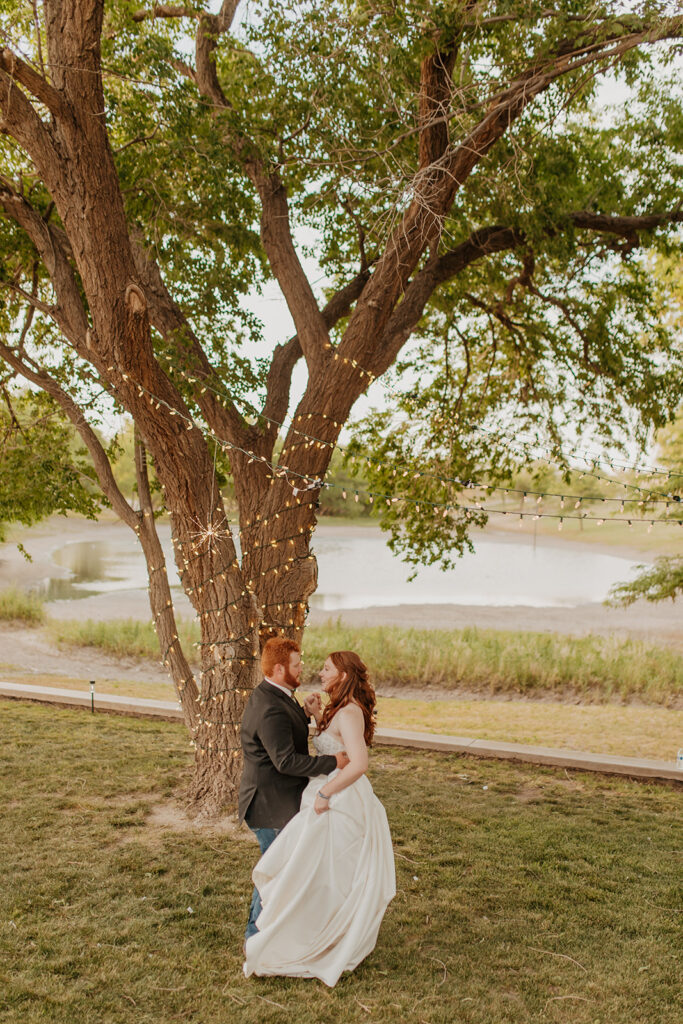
[92, 696]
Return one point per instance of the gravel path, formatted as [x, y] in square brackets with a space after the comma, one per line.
[25, 651]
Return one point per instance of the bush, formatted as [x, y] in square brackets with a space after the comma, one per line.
[18, 605]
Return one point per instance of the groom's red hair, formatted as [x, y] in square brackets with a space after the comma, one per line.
[277, 651]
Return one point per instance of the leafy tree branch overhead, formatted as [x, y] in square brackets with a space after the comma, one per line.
[484, 223]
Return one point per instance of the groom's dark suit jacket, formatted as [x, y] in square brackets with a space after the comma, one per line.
[277, 764]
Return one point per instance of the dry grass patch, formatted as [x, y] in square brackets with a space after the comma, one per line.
[16, 605]
[631, 730]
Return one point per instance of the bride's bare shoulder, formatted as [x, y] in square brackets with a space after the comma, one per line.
[350, 713]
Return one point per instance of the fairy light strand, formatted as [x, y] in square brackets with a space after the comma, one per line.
[313, 440]
[590, 460]
[315, 483]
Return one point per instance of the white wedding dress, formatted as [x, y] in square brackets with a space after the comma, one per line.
[325, 884]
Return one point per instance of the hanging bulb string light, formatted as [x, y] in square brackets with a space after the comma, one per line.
[183, 684]
[590, 460]
[228, 689]
[235, 564]
[313, 441]
[172, 644]
[277, 471]
[616, 465]
[234, 640]
[285, 566]
[476, 485]
[521, 450]
[220, 575]
[646, 471]
[288, 507]
[445, 507]
[435, 507]
[316, 483]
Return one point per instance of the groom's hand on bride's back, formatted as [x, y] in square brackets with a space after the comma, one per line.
[342, 759]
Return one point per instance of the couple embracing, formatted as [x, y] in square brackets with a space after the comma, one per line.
[326, 873]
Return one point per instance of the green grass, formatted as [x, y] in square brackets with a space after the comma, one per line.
[486, 661]
[544, 897]
[124, 638]
[17, 605]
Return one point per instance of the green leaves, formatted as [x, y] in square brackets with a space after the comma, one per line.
[43, 469]
[658, 582]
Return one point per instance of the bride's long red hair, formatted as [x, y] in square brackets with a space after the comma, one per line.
[354, 688]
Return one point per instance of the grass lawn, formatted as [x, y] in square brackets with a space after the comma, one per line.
[661, 540]
[632, 730]
[524, 894]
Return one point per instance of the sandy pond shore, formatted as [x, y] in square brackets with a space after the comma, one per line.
[660, 621]
[32, 649]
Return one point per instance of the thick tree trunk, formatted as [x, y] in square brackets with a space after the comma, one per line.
[229, 647]
[278, 507]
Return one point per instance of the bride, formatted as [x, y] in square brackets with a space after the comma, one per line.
[326, 881]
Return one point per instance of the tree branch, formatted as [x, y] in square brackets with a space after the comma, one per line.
[18, 70]
[486, 242]
[434, 101]
[625, 227]
[160, 597]
[21, 121]
[511, 102]
[283, 258]
[97, 453]
[435, 185]
[206, 42]
[167, 317]
[408, 313]
[286, 356]
[164, 11]
[275, 223]
[69, 314]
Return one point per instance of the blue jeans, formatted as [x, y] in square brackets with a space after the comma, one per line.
[265, 837]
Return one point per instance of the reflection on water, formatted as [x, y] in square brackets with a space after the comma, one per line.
[359, 570]
[95, 567]
[87, 559]
[54, 589]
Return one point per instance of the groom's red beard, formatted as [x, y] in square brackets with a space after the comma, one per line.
[289, 678]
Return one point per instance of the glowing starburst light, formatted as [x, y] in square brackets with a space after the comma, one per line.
[209, 533]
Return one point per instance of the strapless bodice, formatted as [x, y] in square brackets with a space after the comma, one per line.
[324, 743]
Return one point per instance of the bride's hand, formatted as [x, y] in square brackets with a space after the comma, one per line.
[313, 705]
[320, 805]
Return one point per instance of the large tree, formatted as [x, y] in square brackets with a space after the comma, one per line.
[461, 186]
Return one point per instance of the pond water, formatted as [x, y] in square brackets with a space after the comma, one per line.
[357, 570]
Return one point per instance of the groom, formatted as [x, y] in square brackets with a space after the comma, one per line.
[277, 764]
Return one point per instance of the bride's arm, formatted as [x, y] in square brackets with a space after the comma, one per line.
[352, 728]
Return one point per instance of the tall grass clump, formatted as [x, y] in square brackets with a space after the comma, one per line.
[17, 605]
[122, 638]
[486, 661]
[497, 662]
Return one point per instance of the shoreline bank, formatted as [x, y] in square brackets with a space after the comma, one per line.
[659, 623]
